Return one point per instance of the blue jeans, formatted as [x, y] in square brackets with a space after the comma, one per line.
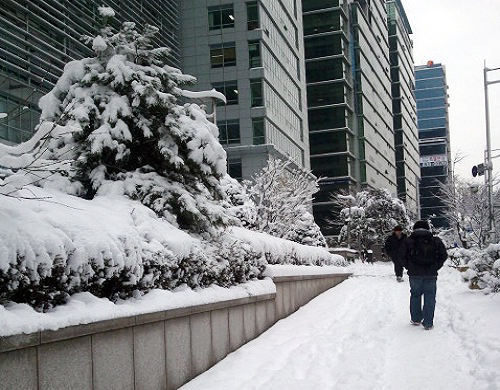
[426, 286]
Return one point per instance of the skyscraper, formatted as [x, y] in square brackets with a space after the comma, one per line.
[349, 99]
[431, 92]
[253, 52]
[39, 37]
[404, 105]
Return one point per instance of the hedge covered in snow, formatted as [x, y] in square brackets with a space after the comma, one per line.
[483, 267]
[57, 245]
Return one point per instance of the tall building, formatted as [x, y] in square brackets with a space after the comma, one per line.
[404, 106]
[39, 37]
[253, 52]
[431, 92]
[349, 99]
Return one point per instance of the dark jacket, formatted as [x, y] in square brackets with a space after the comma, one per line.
[393, 246]
[417, 269]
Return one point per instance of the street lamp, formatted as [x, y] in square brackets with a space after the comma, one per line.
[488, 166]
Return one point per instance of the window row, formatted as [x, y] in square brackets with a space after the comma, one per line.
[229, 131]
[224, 54]
[230, 90]
[222, 16]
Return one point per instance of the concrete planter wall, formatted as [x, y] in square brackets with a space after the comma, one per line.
[161, 350]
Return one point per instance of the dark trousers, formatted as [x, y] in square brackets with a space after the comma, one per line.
[398, 268]
[426, 286]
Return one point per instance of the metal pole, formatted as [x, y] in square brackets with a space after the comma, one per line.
[488, 164]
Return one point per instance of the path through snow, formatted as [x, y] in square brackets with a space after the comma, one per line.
[357, 336]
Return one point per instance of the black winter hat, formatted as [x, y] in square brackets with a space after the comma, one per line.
[421, 225]
[398, 228]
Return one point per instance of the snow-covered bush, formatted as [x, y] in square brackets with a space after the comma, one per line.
[283, 197]
[369, 217]
[484, 270]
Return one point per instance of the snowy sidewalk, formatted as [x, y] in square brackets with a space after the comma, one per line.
[357, 336]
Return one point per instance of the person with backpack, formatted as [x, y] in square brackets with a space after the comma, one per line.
[392, 247]
[423, 255]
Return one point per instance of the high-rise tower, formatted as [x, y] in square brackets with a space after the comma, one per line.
[431, 92]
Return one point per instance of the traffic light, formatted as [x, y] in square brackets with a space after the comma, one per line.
[478, 170]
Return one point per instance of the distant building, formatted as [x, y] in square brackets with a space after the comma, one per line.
[431, 92]
[253, 52]
[349, 99]
[404, 106]
[39, 37]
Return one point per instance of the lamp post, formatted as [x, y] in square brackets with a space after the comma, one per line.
[488, 166]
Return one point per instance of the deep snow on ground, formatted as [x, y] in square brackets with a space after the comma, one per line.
[357, 336]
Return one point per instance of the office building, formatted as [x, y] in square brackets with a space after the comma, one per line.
[253, 52]
[39, 37]
[431, 92]
[404, 106]
[349, 100]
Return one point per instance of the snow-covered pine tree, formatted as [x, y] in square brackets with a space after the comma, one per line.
[127, 131]
[283, 197]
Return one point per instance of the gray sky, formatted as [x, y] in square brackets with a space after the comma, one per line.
[462, 34]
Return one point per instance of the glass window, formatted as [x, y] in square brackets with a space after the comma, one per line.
[427, 150]
[326, 118]
[427, 73]
[429, 93]
[431, 133]
[234, 169]
[330, 69]
[431, 123]
[321, 22]
[229, 89]
[431, 103]
[324, 94]
[229, 132]
[323, 46]
[311, 5]
[431, 113]
[256, 93]
[429, 83]
[259, 135]
[222, 55]
[329, 166]
[328, 142]
[252, 15]
[220, 17]
[254, 54]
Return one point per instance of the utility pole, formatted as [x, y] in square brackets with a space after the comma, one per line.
[488, 165]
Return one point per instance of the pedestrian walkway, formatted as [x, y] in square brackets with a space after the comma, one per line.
[358, 336]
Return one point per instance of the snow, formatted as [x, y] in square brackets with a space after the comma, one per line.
[213, 94]
[3, 115]
[357, 336]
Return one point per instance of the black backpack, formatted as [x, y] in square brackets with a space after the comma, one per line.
[424, 251]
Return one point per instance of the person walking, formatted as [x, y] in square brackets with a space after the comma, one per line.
[392, 247]
[423, 255]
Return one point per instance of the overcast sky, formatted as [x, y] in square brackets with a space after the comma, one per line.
[462, 34]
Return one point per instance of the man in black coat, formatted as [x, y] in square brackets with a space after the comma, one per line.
[423, 255]
[393, 246]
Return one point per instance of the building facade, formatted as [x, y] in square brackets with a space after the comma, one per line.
[349, 100]
[431, 92]
[39, 37]
[404, 106]
[253, 52]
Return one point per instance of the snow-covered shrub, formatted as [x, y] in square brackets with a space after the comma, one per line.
[461, 257]
[369, 217]
[484, 270]
[283, 197]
